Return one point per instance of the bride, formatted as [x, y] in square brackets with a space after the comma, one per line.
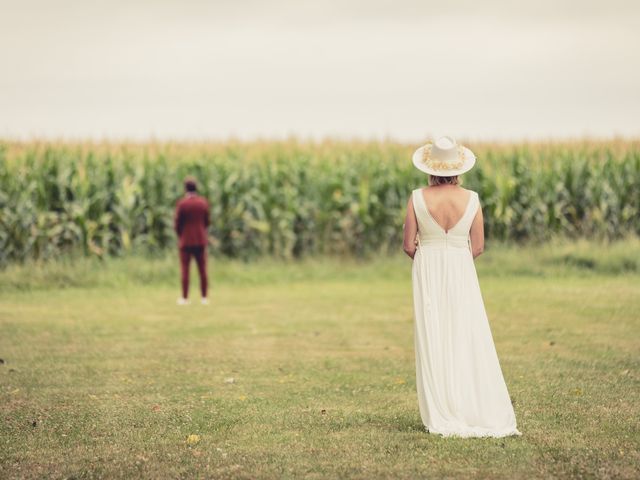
[461, 390]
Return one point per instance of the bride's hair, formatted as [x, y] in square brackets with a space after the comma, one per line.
[436, 180]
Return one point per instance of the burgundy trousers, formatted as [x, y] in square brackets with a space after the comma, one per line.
[200, 254]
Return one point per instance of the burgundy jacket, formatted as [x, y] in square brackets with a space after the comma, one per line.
[191, 221]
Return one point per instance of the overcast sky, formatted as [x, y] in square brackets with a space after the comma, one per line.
[169, 69]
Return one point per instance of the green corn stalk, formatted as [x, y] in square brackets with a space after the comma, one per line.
[291, 199]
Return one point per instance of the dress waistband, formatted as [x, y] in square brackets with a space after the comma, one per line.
[445, 241]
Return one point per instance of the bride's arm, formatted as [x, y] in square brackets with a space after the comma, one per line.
[477, 234]
[410, 230]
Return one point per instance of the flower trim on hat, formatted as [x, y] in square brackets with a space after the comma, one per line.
[439, 164]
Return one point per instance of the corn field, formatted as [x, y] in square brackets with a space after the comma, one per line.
[291, 199]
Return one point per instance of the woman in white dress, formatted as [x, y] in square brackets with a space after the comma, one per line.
[461, 390]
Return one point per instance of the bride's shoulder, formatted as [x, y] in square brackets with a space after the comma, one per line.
[473, 195]
[416, 192]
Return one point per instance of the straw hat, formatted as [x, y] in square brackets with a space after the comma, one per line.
[444, 158]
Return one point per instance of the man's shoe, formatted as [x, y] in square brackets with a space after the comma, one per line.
[183, 301]
[204, 301]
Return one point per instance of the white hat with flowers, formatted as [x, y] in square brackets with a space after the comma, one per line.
[444, 158]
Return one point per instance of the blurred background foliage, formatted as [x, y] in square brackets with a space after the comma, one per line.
[292, 199]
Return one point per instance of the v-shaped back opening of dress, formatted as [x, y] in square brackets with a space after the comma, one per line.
[457, 222]
[428, 227]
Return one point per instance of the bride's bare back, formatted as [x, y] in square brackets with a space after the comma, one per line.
[447, 205]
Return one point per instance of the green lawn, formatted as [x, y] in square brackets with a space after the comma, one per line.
[306, 370]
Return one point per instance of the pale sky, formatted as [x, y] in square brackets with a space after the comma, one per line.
[370, 69]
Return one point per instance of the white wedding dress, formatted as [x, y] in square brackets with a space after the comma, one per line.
[461, 390]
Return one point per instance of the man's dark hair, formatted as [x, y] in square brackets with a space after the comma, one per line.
[190, 184]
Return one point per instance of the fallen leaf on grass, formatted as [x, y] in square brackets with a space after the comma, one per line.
[242, 397]
[13, 392]
[230, 380]
[156, 408]
[399, 381]
[193, 439]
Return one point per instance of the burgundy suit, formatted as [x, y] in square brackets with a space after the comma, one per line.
[191, 222]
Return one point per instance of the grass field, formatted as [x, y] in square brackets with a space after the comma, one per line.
[306, 370]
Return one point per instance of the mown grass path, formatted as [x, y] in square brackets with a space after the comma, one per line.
[311, 378]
